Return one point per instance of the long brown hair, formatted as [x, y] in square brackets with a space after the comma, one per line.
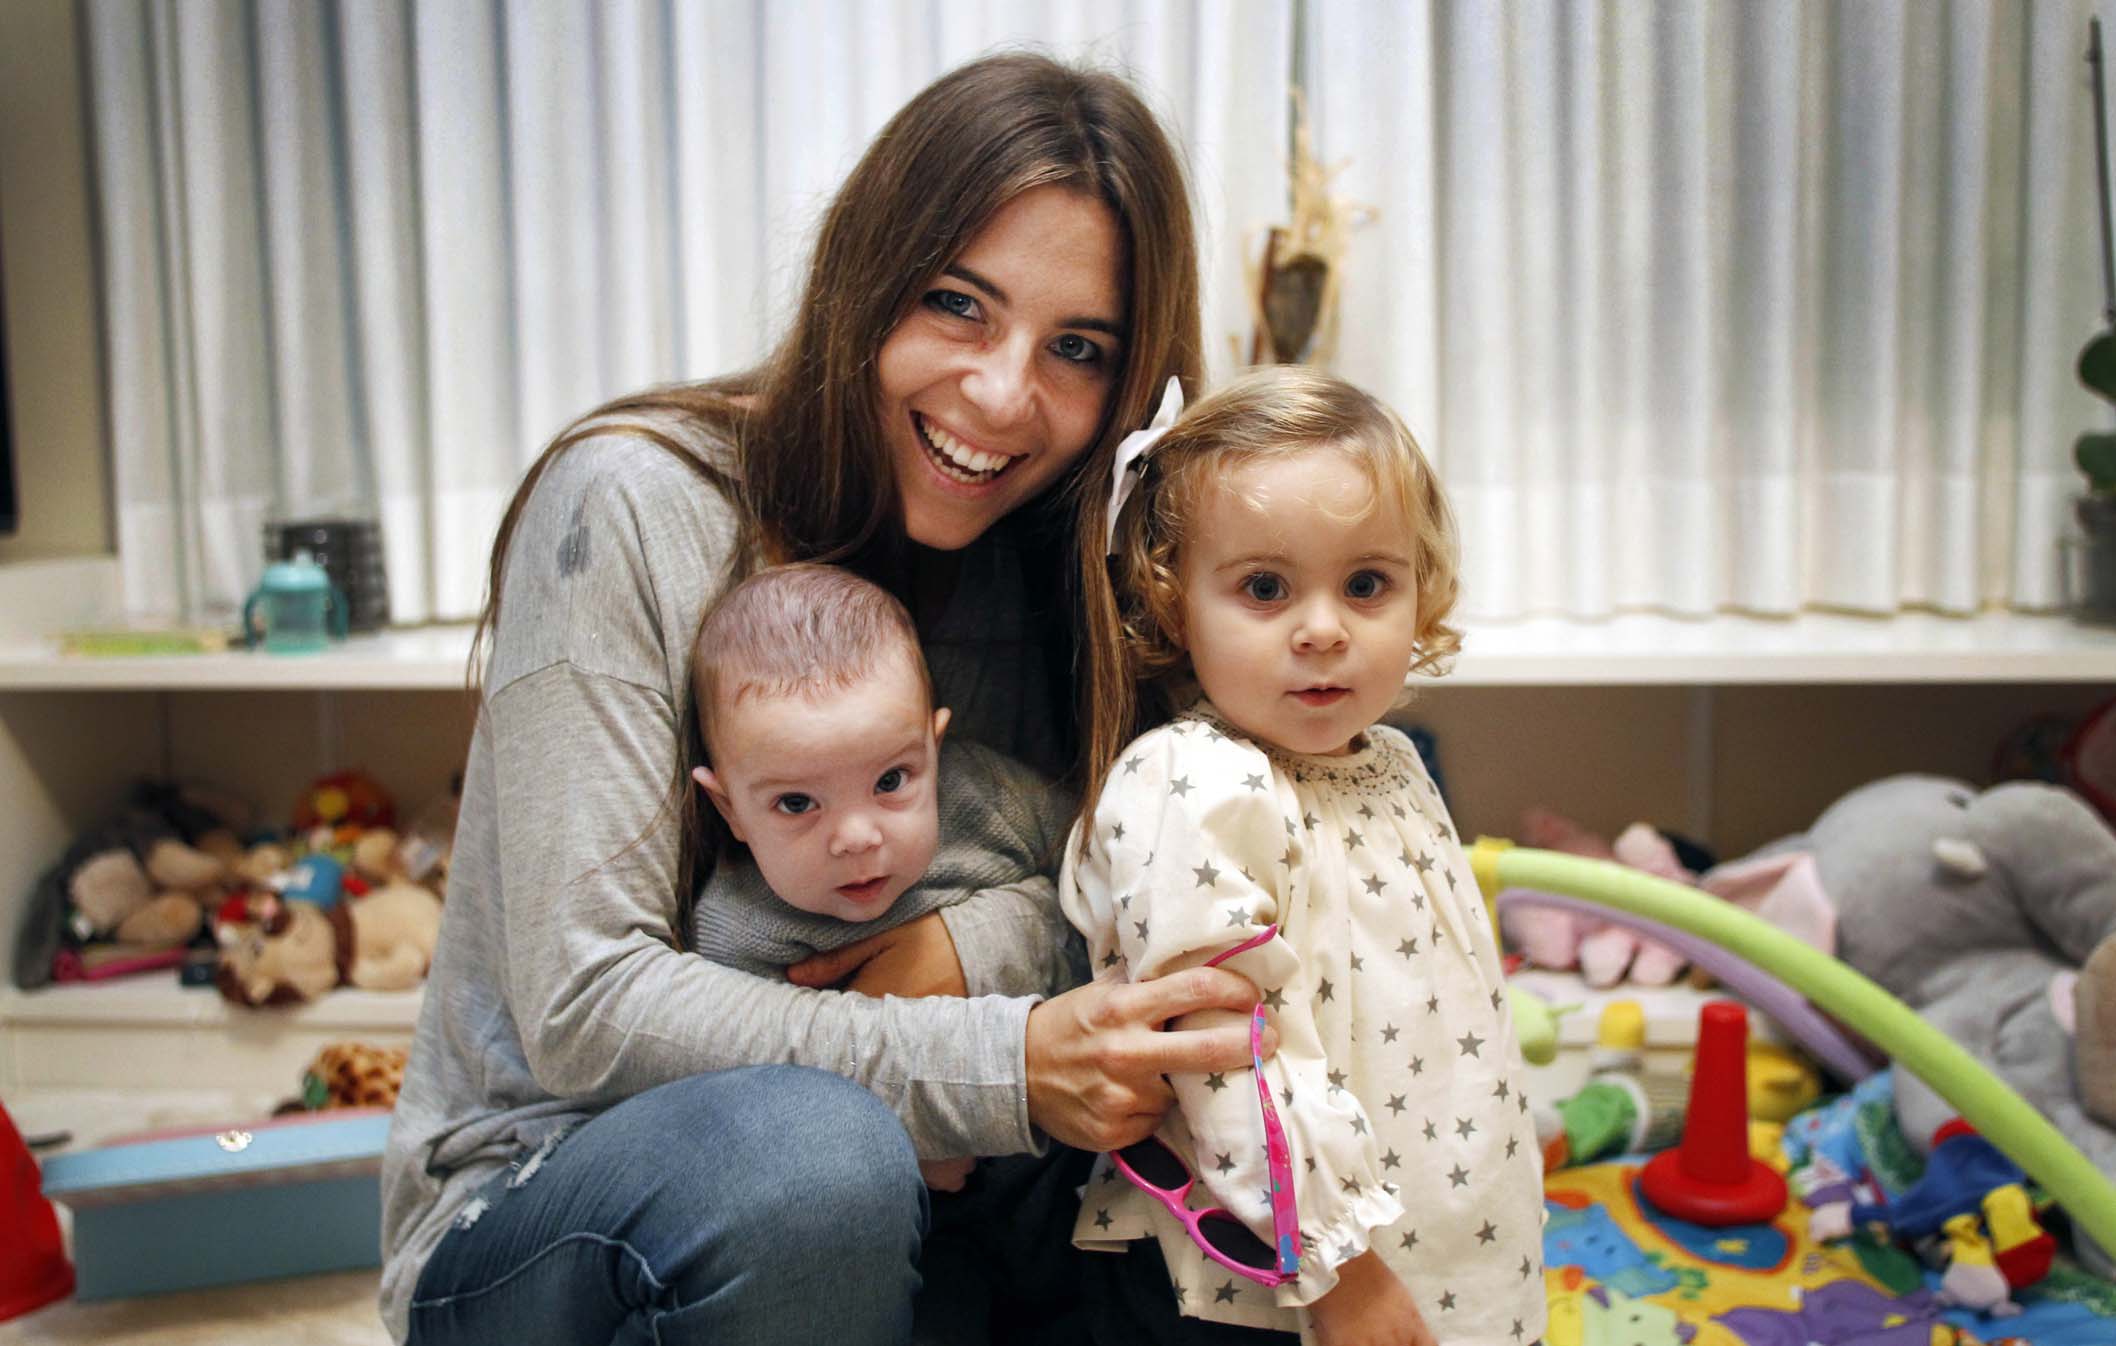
[1137, 664]
[809, 473]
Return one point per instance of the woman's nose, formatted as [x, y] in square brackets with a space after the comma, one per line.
[1000, 383]
[855, 833]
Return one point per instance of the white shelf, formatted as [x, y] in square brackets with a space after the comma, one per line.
[1814, 648]
[148, 1033]
[157, 999]
[427, 657]
[1636, 649]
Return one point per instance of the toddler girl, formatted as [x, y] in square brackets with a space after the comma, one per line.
[1280, 561]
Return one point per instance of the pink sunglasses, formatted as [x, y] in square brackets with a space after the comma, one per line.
[1162, 1174]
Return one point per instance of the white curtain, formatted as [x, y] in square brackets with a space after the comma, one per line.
[1725, 304]
[368, 256]
[1700, 304]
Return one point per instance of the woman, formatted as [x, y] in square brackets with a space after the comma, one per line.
[997, 293]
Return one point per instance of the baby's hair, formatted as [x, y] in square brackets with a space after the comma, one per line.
[1135, 655]
[803, 629]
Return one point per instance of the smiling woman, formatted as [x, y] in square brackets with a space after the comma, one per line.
[1003, 282]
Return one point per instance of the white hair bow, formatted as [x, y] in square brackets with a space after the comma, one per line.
[1131, 457]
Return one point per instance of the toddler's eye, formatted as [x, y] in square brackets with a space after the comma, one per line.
[892, 780]
[953, 302]
[793, 805]
[1366, 584]
[1264, 587]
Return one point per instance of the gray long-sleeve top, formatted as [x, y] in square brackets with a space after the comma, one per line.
[1001, 825]
[557, 989]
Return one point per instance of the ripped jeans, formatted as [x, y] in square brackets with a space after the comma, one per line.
[766, 1204]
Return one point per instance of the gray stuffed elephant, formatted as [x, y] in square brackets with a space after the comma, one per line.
[1993, 915]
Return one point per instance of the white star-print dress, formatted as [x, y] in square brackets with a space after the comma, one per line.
[1397, 1076]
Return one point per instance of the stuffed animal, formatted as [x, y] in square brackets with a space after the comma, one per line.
[354, 1075]
[1606, 952]
[1992, 914]
[145, 878]
[289, 952]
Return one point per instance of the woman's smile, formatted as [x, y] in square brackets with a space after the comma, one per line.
[995, 383]
[957, 461]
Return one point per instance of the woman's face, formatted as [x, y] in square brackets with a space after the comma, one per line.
[996, 380]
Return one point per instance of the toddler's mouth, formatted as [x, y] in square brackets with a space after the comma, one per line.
[956, 460]
[1322, 696]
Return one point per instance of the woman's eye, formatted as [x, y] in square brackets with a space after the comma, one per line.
[1264, 587]
[793, 805]
[1076, 349]
[892, 780]
[953, 302]
[1366, 584]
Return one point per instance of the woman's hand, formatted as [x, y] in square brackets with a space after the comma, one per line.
[1369, 1306]
[1097, 1055]
[916, 958]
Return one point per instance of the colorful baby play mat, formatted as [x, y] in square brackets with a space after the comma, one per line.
[1621, 1274]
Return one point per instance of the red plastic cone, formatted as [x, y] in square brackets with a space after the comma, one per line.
[33, 1266]
[1710, 1179]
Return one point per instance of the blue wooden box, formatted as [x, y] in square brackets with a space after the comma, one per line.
[178, 1211]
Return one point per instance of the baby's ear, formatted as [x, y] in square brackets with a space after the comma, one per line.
[941, 716]
[710, 783]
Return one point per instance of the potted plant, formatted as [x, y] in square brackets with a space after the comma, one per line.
[2092, 575]
[2094, 582]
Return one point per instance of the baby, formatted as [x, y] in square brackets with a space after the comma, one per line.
[824, 755]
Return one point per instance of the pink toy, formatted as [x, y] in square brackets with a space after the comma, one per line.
[1604, 951]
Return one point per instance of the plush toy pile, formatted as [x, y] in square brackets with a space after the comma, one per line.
[183, 877]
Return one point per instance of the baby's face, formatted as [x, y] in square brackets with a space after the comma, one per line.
[836, 796]
[1300, 603]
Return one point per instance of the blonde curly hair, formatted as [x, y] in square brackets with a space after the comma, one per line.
[1136, 662]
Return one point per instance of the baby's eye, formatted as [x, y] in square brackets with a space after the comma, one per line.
[1264, 587]
[892, 780]
[1077, 349]
[793, 805]
[952, 302]
[1367, 584]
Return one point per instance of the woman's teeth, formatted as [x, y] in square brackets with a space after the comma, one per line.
[958, 460]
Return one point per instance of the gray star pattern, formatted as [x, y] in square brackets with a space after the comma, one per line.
[1374, 883]
[1458, 1176]
[1397, 1103]
[1224, 1163]
[1215, 1082]
[1180, 786]
[1253, 782]
[1225, 1294]
[1469, 1043]
[1392, 1159]
[1465, 1128]
[1207, 875]
[1388, 1032]
[1131, 764]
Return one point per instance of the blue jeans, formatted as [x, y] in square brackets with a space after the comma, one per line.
[766, 1204]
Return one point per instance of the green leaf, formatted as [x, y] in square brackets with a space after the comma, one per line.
[2097, 365]
[2096, 456]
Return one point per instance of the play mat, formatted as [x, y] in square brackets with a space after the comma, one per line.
[1622, 1274]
